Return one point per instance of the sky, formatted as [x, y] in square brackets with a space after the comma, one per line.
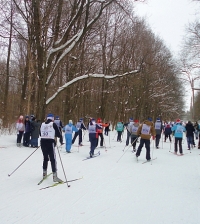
[115, 188]
[168, 19]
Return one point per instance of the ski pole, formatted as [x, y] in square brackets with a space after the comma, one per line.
[127, 149]
[24, 161]
[63, 168]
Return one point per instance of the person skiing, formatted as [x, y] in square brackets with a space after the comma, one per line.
[107, 129]
[58, 122]
[158, 129]
[68, 129]
[48, 131]
[178, 130]
[133, 131]
[100, 132]
[189, 133]
[93, 135]
[80, 126]
[145, 131]
[119, 128]
[20, 130]
[167, 132]
[128, 125]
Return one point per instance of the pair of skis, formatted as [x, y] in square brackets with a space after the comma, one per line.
[146, 160]
[55, 184]
[95, 155]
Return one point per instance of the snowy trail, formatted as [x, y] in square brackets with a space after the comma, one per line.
[111, 192]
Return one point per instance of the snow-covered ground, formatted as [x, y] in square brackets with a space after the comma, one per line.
[112, 190]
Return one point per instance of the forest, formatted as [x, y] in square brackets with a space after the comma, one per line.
[89, 58]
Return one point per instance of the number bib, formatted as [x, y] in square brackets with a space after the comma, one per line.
[47, 131]
[145, 129]
[157, 125]
[179, 129]
[92, 129]
[68, 129]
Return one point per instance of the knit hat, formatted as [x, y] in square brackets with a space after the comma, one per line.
[158, 119]
[130, 119]
[149, 119]
[50, 116]
[26, 116]
[70, 122]
[136, 121]
[57, 118]
[178, 121]
[81, 119]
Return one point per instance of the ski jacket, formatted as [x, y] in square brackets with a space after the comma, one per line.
[102, 125]
[178, 130]
[168, 130]
[69, 128]
[20, 125]
[189, 129]
[119, 126]
[146, 130]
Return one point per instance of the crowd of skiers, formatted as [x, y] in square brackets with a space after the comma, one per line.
[50, 130]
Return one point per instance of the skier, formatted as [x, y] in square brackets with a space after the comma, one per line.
[146, 131]
[167, 132]
[119, 128]
[133, 131]
[20, 130]
[107, 129]
[93, 135]
[127, 125]
[68, 129]
[58, 122]
[189, 133]
[158, 129]
[48, 131]
[178, 130]
[100, 131]
[80, 126]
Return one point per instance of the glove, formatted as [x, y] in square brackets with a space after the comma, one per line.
[153, 137]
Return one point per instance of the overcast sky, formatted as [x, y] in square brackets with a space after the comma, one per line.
[168, 18]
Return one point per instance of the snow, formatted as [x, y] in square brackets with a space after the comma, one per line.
[166, 190]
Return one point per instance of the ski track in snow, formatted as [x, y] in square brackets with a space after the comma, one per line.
[166, 190]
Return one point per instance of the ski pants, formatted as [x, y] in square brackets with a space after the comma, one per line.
[26, 139]
[119, 136]
[158, 139]
[101, 142]
[19, 136]
[147, 145]
[78, 133]
[167, 135]
[93, 142]
[178, 141]
[128, 137]
[133, 141]
[189, 141]
[48, 150]
[68, 144]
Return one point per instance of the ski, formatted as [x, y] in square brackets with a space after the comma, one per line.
[56, 184]
[44, 178]
[95, 155]
[149, 160]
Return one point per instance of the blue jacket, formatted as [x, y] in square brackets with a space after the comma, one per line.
[178, 130]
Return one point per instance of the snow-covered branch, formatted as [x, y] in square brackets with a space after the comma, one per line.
[62, 88]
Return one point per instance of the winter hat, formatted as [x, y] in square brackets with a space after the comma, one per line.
[57, 118]
[136, 121]
[27, 116]
[81, 119]
[130, 119]
[158, 119]
[178, 121]
[149, 119]
[50, 116]
[70, 122]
